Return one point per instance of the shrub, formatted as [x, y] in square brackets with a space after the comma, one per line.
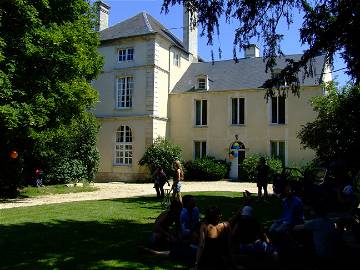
[207, 169]
[249, 172]
[161, 153]
[70, 154]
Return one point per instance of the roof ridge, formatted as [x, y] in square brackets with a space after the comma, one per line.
[147, 21]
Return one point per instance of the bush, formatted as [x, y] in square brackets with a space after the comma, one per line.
[206, 169]
[70, 154]
[161, 153]
[249, 172]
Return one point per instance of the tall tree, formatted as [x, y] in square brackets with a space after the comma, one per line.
[329, 26]
[334, 134]
[48, 56]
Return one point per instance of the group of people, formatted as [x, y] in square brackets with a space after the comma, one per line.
[243, 240]
[212, 243]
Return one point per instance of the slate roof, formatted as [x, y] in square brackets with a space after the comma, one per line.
[138, 25]
[248, 73]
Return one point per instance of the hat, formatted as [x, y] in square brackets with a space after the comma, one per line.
[247, 211]
[348, 190]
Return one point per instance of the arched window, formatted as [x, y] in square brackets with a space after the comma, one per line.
[123, 146]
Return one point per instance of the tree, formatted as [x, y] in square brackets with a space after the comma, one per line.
[161, 153]
[334, 134]
[329, 26]
[48, 56]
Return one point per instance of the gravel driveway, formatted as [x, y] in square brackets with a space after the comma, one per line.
[124, 190]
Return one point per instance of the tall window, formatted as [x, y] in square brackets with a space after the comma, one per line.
[176, 59]
[199, 149]
[277, 149]
[126, 54]
[238, 111]
[201, 112]
[125, 87]
[201, 83]
[123, 146]
[278, 110]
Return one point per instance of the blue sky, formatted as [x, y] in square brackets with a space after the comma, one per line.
[123, 9]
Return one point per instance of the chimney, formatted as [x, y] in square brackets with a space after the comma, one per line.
[190, 33]
[251, 51]
[102, 10]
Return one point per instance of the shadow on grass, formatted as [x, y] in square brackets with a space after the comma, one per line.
[229, 203]
[112, 243]
[69, 244]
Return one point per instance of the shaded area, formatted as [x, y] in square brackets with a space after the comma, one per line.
[97, 234]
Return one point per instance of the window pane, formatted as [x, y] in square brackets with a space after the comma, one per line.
[197, 150]
[203, 149]
[204, 112]
[273, 149]
[198, 112]
[281, 110]
[234, 110]
[130, 54]
[241, 111]
[274, 118]
[201, 83]
[122, 55]
[282, 152]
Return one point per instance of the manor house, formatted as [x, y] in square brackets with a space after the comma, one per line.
[155, 85]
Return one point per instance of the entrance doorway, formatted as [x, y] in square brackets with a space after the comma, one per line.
[236, 156]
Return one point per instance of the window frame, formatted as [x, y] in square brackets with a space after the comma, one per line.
[277, 149]
[202, 153]
[203, 82]
[240, 111]
[278, 110]
[123, 155]
[126, 54]
[202, 119]
[124, 96]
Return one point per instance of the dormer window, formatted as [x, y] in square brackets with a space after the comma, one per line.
[126, 54]
[202, 83]
[275, 75]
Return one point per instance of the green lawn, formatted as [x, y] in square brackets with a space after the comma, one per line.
[97, 234]
[54, 189]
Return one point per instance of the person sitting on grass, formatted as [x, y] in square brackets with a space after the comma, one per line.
[212, 242]
[247, 238]
[189, 220]
[326, 238]
[162, 236]
[292, 212]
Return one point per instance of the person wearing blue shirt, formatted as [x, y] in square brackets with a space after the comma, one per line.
[292, 212]
[189, 217]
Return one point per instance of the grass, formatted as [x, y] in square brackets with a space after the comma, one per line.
[97, 234]
[54, 189]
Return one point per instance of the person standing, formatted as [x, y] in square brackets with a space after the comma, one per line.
[262, 177]
[179, 176]
[159, 181]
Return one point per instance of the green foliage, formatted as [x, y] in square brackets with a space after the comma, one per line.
[248, 167]
[69, 154]
[328, 26]
[161, 153]
[48, 56]
[206, 169]
[334, 134]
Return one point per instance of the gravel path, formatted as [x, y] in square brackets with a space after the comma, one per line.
[124, 190]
